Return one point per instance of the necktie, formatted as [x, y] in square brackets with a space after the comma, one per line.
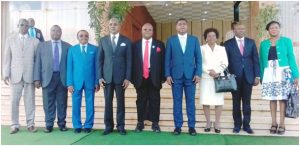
[56, 57]
[83, 50]
[113, 42]
[146, 63]
[31, 32]
[241, 46]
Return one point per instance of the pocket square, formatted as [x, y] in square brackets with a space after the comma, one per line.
[91, 52]
[158, 49]
[122, 44]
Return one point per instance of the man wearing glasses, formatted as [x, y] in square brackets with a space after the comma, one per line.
[82, 75]
[18, 61]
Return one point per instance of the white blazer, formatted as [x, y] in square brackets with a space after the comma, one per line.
[213, 59]
[18, 62]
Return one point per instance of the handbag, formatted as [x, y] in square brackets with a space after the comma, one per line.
[292, 103]
[226, 83]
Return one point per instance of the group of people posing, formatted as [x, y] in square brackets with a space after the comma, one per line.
[58, 67]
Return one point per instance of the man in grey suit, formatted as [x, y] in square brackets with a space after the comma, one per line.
[19, 54]
[50, 73]
[115, 74]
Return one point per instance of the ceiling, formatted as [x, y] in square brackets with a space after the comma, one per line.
[170, 11]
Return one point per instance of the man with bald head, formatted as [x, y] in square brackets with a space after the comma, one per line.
[148, 76]
[19, 54]
[50, 73]
[33, 31]
[115, 74]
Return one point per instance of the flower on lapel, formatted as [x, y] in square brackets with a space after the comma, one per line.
[158, 50]
[38, 35]
[122, 44]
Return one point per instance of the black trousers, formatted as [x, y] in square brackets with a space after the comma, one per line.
[242, 94]
[148, 101]
[55, 96]
[108, 113]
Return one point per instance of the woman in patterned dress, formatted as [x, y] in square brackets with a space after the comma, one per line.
[278, 71]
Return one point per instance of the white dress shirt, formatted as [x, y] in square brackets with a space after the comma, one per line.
[183, 39]
[59, 48]
[85, 48]
[116, 39]
[238, 41]
[149, 49]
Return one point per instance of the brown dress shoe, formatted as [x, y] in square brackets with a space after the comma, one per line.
[32, 129]
[14, 130]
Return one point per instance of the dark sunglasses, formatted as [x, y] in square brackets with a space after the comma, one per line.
[81, 36]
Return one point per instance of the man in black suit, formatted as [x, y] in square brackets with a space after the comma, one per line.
[243, 63]
[115, 74]
[148, 76]
[33, 31]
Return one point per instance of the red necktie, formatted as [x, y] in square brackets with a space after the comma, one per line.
[146, 63]
[241, 46]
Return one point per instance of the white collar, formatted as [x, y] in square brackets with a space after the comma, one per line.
[116, 35]
[144, 40]
[238, 39]
[20, 35]
[59, 41]
[180, 36]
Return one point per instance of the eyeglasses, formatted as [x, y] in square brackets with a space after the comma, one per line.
[81, 36]
[26, 25]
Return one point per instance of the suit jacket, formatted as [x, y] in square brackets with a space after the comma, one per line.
[43, 66]
[156, 63]
[216, 60]
[179, 64]
[248, 61]
[39, 34]
[285, 55]
[18, 62]
[82, 68]
[115, 65]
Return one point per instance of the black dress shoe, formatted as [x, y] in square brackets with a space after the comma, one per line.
[177, 131]
[63, 128]
[217, 130]
[155, 128]
[14, 130]
[48, 129]
[249, 131]
[77, 130]
[139, 127]
[87, 130]
[207, 129]
[192, 131]
[122, 131]
[32, 129]
[107, 131]
[236, 130]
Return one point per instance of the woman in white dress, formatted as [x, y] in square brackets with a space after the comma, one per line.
[214, 61]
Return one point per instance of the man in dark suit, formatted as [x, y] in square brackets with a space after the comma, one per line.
[147, 76]
[33, 31]
[115, 74]
[82, 71]
[50, 72]
[183, 68]
[243, 63]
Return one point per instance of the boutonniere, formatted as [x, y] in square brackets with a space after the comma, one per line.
[158, 50]
[122, 44]
[38, 35]
[153, 47]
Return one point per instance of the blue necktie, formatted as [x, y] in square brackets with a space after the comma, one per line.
[31, 32]
[56, 57]
[83, 50]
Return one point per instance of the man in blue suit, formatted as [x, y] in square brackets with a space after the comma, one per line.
[243, 63]
[183, 67]
[82, 69]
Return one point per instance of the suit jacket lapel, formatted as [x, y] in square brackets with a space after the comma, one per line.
[49, 51]
[153, 49]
